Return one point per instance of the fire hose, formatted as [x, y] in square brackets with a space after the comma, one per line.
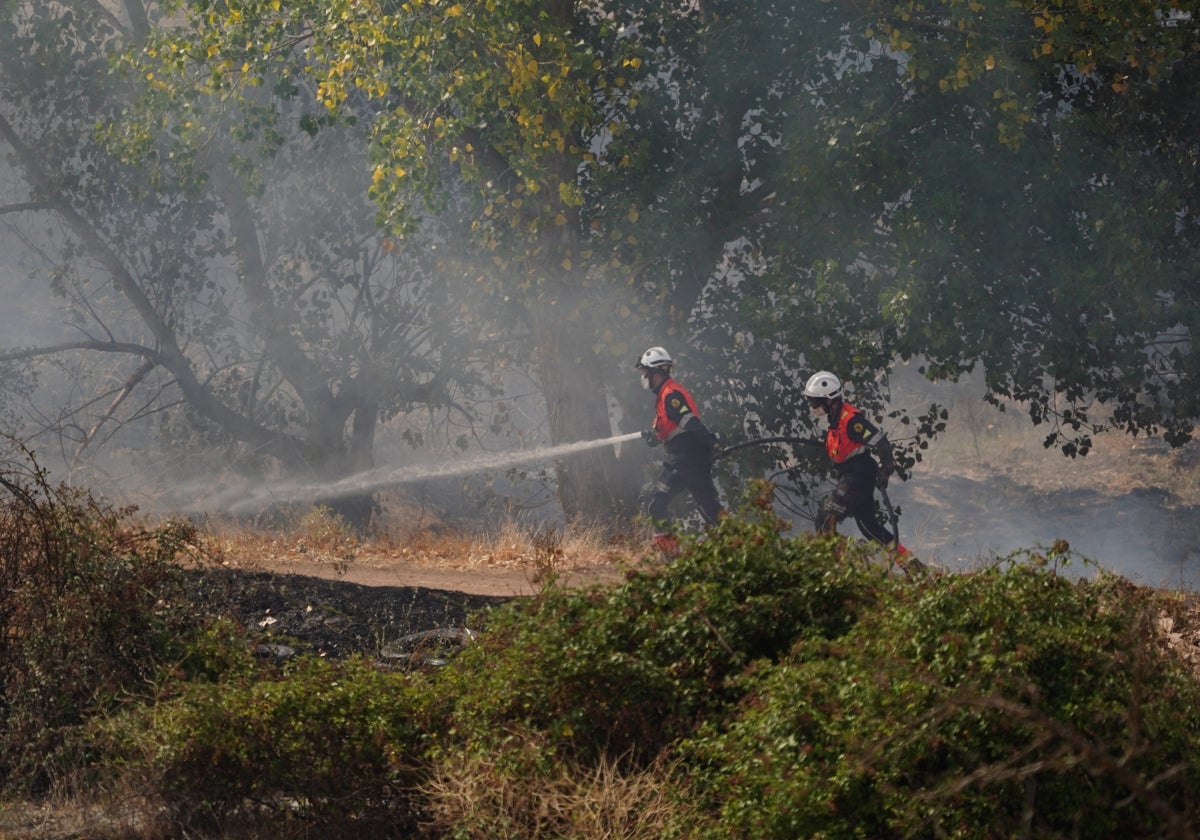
[763, 441]
[893, 518]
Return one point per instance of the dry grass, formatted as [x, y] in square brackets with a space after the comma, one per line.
[475, 799]
[69, 814]
[320, 537]
[1177, 628]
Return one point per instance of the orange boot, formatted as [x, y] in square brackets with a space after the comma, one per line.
[908, 561]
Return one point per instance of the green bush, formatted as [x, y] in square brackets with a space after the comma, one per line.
[627, 670]
[333, 746]
[1012, 702]
[796, 687]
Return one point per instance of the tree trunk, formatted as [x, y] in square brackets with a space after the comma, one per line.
[342, 459]
[594, 485]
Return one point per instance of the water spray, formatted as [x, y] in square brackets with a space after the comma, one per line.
[239, 502]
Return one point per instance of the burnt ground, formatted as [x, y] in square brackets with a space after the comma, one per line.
[288, 614]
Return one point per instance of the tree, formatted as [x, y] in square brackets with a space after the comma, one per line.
[1043, 224]
[490, 107]
[969, 184]
[261, 296]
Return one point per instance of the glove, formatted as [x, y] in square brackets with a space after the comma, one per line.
[650, 437]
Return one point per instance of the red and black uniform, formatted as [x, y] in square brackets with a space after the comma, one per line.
[690, 448]
[850, 441]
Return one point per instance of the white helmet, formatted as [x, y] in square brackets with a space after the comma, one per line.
[823, 384]
[655, 357]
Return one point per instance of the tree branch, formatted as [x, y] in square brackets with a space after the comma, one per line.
[106, 13]
[147, 353]
[132, 382]
[284, 447]
[25, 206]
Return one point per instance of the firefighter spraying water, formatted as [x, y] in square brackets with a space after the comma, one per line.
[691, 447]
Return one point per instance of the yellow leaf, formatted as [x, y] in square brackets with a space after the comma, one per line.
[537, 39]
[455, 11]
[566, 264]
[632, 215]
[990, 63]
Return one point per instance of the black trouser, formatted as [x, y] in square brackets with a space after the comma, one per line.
[855, 496]
[691, 472]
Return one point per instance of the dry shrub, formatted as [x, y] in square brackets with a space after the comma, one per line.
[477, 798]
[318, 535]
[91, 609]
[91, 814]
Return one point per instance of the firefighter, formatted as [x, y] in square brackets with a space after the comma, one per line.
[690, 446]
[853, 443]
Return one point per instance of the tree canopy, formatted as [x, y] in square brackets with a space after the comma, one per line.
[767, 188]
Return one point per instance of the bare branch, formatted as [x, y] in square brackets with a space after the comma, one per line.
[136, 377]
[147, 353]
[24, 206]
[285, 447]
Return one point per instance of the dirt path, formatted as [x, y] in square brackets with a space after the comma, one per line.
[502, 581]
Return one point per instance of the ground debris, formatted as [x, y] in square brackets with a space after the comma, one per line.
[331, 618]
